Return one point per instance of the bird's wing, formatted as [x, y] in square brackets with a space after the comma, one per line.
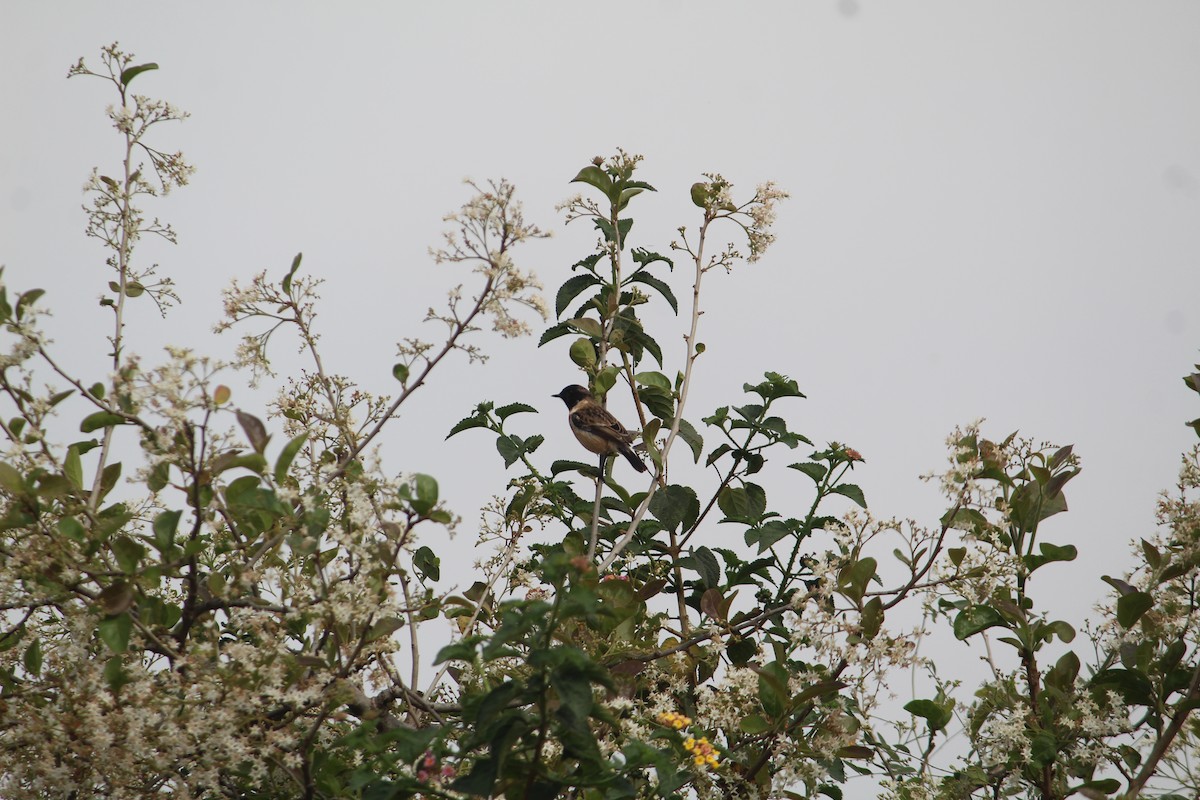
[597, 421]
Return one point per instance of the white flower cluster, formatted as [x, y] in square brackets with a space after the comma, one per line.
[486, 229]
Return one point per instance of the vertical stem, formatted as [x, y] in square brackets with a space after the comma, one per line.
[123, 246]
[690, 341]
[595, 534]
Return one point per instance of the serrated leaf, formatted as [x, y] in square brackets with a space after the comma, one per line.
[851, 491]
[692, 438]
[554, 332]
[504, 412]
[661, 286]
[675, 505]
[707, 566]
[571, 289]
[812, 470]
[477, 420]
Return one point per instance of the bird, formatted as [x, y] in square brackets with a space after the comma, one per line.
[595, 428]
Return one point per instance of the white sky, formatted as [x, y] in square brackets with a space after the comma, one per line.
[995, 209]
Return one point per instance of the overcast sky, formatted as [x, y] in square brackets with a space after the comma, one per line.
[995, 208]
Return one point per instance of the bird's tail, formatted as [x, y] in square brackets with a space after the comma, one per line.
[633, 458]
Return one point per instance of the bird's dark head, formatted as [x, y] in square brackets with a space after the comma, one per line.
[572, 395]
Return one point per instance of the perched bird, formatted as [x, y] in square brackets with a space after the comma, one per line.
[595, 428]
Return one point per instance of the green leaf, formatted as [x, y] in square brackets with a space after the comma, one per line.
[938, 716]
[100, 419]
[767, 534]
[165, 525]
[108, 478]
[11, 480]
[72, 529]
[114, 674]
[128, 553]
[675, 505]
[1030, 505]
[812, 470]
[33, 657]
[427, 493]
[504, 412]
[114, 632]
[1133, 685]
[1104, 786]
[692, 437]
[571, 289]
[605, 380]
[655, 283]
[384, 627]
[872, 618]
[1049, 554]
[707, 566]
[24, 301]
[400, 372]
[129, 73]
[427, 563]
[1131, 607]
[974, 619]
[256, 432]
[287, 279]
[287, 455]
[754, 724]
[480, 780]
[510, 448]
[1043, 748]
[743, 503]
[654, 379]
[851, 491]
[477, 420]
[775, 387]
[554, 332]
[855, 578]
[73, 468]
[594, 176]
[583, 353]
[587, 326]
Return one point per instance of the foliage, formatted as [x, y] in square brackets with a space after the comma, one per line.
[237, 607]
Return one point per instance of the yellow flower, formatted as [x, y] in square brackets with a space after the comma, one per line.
[674, 720]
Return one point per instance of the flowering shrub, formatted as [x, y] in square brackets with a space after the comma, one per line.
[235, 607]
